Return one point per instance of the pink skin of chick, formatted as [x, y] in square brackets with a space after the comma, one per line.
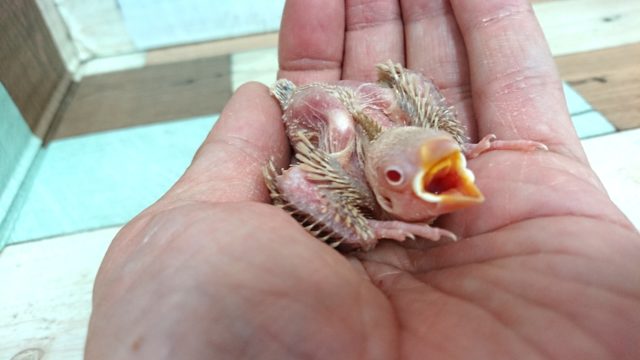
[408, 175]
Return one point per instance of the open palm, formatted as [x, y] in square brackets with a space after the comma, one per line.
[547, 267]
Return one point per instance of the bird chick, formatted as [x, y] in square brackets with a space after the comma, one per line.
[375, 161]
[417, 174]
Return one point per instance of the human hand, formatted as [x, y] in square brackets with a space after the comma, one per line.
[547, 266]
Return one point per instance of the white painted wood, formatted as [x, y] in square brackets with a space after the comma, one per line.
[95, 28]
[573, 26]
[46, 295]
[110, 64]
[615, 159]
[256, 65]
[60, 34]
[160, 23]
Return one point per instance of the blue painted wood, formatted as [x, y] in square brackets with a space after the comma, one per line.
[587, 121]
[18, 148]
[576, 103]
[103, 179]
[592, 124]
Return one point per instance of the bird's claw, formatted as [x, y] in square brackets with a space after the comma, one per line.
[490, 143]
[400, 231]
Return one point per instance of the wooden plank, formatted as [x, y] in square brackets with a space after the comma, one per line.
[181, 53]
[261, 65]
[18, 149]
[609, 80]
[154, 24]
[30, 67]
[570, 25]
[60, 34]
[105, 178]
[96, 28]
[152, 94]
[212, 48]
[573, 26]
[256, 65]
[615, 161]
[46, 295]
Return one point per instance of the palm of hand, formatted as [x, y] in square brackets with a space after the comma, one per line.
[544, 251]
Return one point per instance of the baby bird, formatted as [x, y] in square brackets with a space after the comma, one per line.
[375, 160]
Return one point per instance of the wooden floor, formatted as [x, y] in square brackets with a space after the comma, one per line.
[595, 43]
[45, 286]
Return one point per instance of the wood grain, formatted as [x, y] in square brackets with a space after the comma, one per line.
[95, 28]
[46, 302]
[155, 93]
[212, 48]
[573, 26]
[564, 23]
[609, 80]
[30, 67]
[60, 34]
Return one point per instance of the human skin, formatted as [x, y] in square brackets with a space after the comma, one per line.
[547, 267]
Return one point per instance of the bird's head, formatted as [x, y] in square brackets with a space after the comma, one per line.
[418, 174]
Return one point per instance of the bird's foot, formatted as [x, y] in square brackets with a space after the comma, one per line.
[489, 143]
[400, 231]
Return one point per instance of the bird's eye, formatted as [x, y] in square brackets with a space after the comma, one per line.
[394, 176]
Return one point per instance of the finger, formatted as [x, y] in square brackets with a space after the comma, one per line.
[228, 166]
[434, 46]
[516, 89]
[373, 35]
[311, 41]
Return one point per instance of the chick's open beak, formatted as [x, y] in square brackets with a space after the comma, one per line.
[444, 177]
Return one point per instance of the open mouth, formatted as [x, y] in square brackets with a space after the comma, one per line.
[447, 180]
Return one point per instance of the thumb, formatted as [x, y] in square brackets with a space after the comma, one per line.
[228, 166]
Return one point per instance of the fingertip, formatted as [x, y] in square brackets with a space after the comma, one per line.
[251, 86]
[259, 94]
[251, 89]
[253, 115]
[229, 165]
[311, 41]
